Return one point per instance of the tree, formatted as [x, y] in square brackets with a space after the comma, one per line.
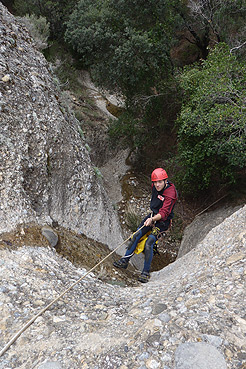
[209, 22]
[125, 43]
[212, 122]
[55, 11]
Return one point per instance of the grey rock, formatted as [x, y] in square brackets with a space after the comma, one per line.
[213, 340]
[200, 227]
[50, 235]
[143, 356]
[50, 365]
[198, 356]
[73, 333]
[242, 356]
[94, 322]
[153, 338]
[164, 317]
[159, 308]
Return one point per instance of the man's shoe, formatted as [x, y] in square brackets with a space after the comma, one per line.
[144, 277]
[122, 263]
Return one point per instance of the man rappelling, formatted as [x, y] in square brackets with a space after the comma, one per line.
[163, 199]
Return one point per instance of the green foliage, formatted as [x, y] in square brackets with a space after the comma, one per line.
[64, 67]
[127, 130]
[23, 7]
[148, 121]
[211, 125]
[97, 172]
[55, 11]
[81, 132]
[39, 29]
[125, 43]
[230, 20]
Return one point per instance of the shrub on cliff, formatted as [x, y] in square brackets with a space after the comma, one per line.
[39, 29]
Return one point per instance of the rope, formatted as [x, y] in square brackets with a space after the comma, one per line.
[211, 205]
[14, 338]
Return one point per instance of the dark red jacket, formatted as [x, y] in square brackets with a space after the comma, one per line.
[162, 202]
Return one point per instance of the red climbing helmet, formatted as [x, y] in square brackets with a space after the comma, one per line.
[158, 175]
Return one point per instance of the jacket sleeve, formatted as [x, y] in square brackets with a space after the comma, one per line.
[168, 203]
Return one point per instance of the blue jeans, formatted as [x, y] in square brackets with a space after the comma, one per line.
[151, 240]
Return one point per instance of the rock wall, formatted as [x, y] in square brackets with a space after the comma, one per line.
[46, 174]
[195, 232]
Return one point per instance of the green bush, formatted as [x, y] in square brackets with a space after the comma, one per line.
[39, 29]
[211, 125]
[127, 131]
[56, 12]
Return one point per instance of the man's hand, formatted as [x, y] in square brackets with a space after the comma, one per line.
[148, 222]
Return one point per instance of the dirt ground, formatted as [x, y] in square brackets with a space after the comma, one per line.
[86, 253]
[81, 251]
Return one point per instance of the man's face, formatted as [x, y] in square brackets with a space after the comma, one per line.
[159, 185]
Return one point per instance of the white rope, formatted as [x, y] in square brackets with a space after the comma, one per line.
[14, 338]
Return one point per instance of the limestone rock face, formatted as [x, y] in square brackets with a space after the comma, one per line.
[46, 173]
[201, 225]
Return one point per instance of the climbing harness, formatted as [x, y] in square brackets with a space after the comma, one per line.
[156, 232]
[141, 244]
[61, 295]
